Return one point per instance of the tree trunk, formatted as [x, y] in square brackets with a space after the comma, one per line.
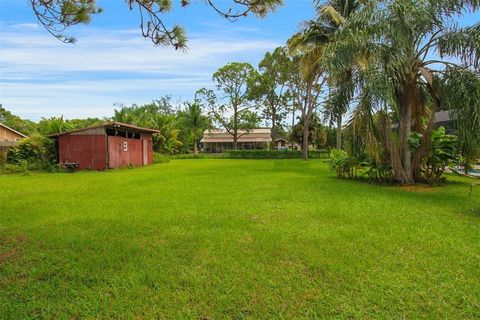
[395, 161]
[339, 131]
[235, 141]
[195, 150]
[425, 141]
[306, 134]
[404, 128]
[235, 128]
[274, 128]
[293, 123]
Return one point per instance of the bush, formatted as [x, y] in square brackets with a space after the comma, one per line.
[340, 162]
[275, 154]
[442, 154]
[346, 166]
[35, 153]
[380, 172]
[27, 150]
[3, 155]
[9, 168]
[201, 156]
[160, 158]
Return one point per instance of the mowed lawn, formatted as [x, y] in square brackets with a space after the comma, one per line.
[219, 239]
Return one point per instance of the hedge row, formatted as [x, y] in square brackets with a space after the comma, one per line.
[276, 154]
[254, 154]
[200, 156]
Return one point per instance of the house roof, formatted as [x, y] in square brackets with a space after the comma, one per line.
[114, 124]
[440, 117]
[14, 131]
[254, 135]
[443, 116]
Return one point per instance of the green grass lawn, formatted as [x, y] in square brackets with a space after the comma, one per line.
[216, 239]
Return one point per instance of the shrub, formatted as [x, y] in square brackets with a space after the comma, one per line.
[200, 156]
[9, 168]
[380, 172]
[34, 153]
[3, 155]
[27, 150]
[346, 166]
[275, 154]
[340, 163]
[442, 154]
[160, 158]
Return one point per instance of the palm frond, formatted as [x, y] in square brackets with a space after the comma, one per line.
[463, 43]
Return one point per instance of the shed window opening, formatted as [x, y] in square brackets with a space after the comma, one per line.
[123, 133]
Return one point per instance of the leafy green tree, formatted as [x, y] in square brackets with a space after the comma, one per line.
[57, 15]
[270, 88]
[306, 85]
[232, 110]
[26, 127]
[400, 78]
[318, 133]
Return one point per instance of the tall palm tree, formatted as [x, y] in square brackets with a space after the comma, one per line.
[400, 38]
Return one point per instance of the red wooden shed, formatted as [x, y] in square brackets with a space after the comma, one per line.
[109, 145]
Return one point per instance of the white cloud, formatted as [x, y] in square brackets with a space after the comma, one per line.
[28, 26]
[42, 77]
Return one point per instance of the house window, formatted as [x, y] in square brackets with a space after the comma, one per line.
[125, 146]
[17, 139]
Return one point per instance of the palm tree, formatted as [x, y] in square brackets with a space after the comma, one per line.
[462, 96]
[331, 17]
[54, 125]
[167, 141]
[399, 38]
[196, 122]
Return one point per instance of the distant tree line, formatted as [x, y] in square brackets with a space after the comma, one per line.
[241, 98]
[384, 66]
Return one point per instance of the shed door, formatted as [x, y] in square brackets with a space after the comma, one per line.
[145, 151]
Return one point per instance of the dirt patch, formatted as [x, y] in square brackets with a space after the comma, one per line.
[257, 218]
[8, 255]
[10, 247]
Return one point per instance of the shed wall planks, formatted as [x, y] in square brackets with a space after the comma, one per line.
[88, 150]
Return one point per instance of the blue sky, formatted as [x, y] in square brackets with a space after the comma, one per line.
[112, 63]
